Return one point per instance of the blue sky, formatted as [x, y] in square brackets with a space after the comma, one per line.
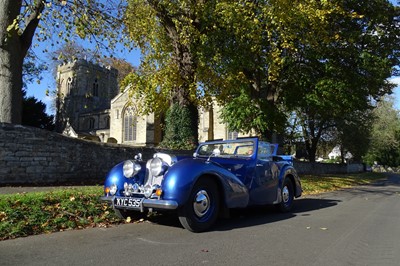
[48, 82]
[396, 80]
[396, 92]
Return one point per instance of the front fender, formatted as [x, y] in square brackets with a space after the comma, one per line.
[179, 181]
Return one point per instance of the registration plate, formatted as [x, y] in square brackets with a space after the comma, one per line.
[128, 203]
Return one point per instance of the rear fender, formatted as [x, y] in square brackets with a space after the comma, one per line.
[288, 171]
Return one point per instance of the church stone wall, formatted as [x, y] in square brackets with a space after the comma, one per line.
[34, 156]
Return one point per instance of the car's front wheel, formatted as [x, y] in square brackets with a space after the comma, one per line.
[287, 196]
[201, 210]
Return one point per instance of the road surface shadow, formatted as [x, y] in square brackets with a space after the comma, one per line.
[252, 216]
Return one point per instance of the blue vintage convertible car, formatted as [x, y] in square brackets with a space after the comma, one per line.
[220, 175]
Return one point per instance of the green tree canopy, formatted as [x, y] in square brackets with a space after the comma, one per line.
[322, 59]
[385, 135]
[34, 114]
[339, 68]
[353, 132]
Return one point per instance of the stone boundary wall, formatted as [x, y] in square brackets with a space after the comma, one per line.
[31, 156]
[326, 168]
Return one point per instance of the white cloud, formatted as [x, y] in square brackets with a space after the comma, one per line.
[395, 80]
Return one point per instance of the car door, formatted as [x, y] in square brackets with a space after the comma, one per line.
[265, 181]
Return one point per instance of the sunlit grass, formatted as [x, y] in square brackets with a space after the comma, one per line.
[317, 184]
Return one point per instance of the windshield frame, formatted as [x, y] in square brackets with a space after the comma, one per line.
[236, 148]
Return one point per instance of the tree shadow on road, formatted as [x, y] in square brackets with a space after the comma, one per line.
[254, 216]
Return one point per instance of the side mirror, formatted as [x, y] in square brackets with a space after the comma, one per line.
[216, 152]
[195, 155]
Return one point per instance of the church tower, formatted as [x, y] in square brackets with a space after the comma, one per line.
[84, 93]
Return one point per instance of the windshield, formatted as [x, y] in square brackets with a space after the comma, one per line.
[238, 148]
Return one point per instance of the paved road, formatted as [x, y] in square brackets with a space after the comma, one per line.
[359, 226]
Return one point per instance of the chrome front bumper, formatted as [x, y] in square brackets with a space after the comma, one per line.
[148, 203]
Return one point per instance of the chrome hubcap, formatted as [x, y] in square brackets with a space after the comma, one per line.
[201, 203]
[285, 194]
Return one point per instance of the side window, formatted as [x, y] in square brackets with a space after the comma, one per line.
[264, 151]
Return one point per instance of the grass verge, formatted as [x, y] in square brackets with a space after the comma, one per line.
[76, 208]
[43, 212]
[325, 183]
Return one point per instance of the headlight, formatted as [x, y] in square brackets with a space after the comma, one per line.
[148, 190]
[131, 168]
[156, 166]
[113, 189]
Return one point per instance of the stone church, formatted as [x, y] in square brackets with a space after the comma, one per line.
[91, 106]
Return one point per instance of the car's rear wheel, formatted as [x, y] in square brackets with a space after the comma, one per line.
[201, 210]
[287, 195]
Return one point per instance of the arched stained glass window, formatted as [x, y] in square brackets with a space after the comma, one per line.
[130, 125]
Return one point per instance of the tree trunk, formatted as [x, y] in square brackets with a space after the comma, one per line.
[10, 88]
[14, 44]
[11, 60]
[184, 59]
[211, 123]
[311, 139]
[311, 152]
